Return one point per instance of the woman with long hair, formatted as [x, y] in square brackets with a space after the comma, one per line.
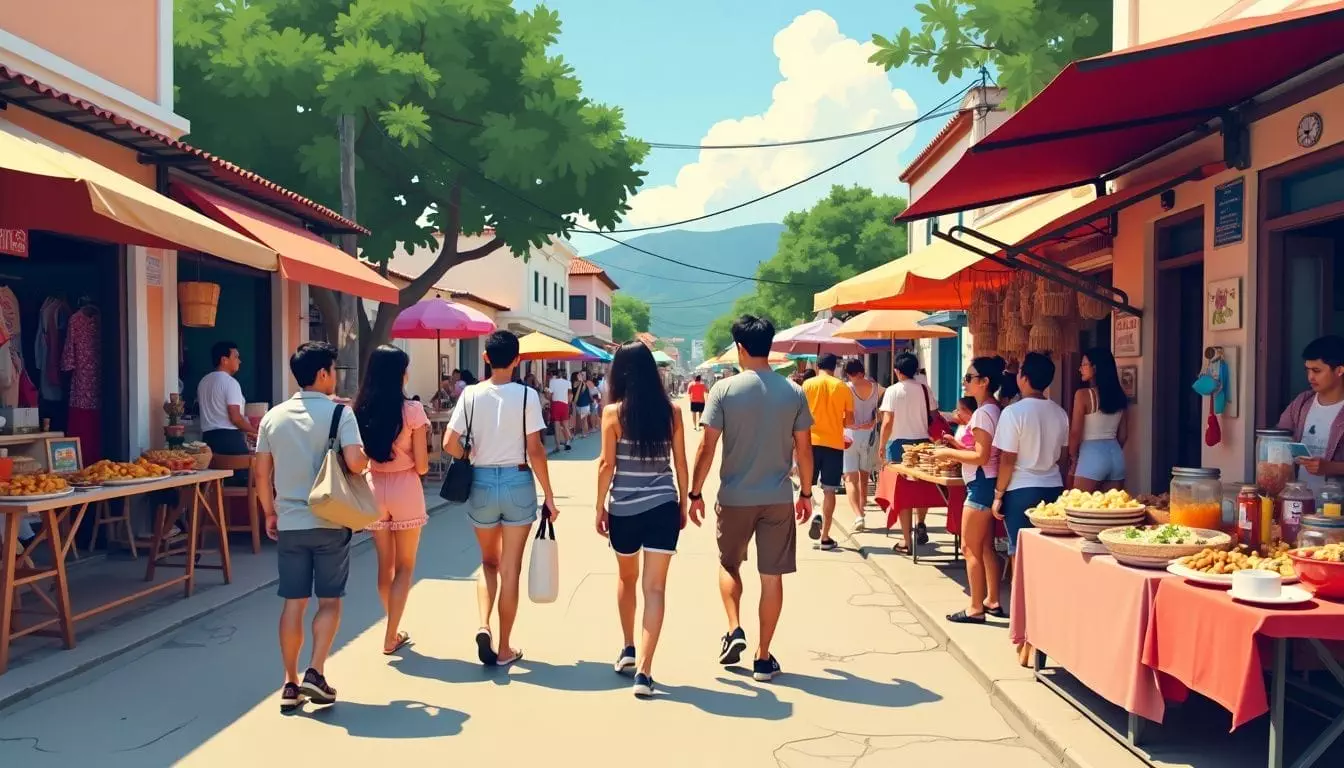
[395, 432]
[973, 447]
[643, 443]
[1099, 425]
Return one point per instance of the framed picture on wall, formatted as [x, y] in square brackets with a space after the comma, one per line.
[1224, 304]
[445, 366]
[64, 455]
[1129, 381]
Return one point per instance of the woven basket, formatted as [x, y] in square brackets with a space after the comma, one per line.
[986, 305]
[203, 459]
[985, 344]
[1092, 309]
[1014, 337]
[198, 302]
[1055, 526]
[1046, 335]
[1115, 541]
[1053, 300]
[1025, 295]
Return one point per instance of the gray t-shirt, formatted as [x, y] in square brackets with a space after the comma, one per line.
[758, 414]
[295, 433]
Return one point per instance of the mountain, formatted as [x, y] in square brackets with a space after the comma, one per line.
[684, 301]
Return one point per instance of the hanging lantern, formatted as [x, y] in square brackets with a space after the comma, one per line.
[986, 306]
[1092, 309]
[1046, 335]
[1053, 300]
[198, 303]
[985, 344]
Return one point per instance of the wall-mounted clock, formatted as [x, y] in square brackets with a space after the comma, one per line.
[1309, 130]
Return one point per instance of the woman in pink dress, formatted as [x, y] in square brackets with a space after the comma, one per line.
[395, 431]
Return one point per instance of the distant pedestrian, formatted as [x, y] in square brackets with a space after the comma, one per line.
[395, 432]
[582, 401]
[764, 422]
[698, 391]
[643, 442]
[313, 555]
[559, 389]
[832, 407]
[503, 421]
[595, 406]
[861, 453]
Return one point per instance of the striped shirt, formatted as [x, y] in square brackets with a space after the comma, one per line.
[640, 484]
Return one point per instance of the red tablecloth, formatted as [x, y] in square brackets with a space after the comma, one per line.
[896, 492]
[1207, 642]
[1089, 614]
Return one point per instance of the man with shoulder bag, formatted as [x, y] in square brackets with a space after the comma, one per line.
[313, 555]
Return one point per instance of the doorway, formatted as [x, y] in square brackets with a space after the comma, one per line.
[1178, 418]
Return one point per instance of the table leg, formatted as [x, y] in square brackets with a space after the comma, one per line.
[1333, 731]
[156, 545]
[9, 554]
[192, 538]
[1276, 702]
[74, 521]
[52, 522]
[221, 523]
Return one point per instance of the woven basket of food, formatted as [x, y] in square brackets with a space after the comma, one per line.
[1154, 546]
[1050, 518]
[1053, 299]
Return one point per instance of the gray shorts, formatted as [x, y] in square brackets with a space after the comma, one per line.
[313, 562]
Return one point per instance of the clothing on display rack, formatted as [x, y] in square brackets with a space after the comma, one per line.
[53, 320]
[81, 356]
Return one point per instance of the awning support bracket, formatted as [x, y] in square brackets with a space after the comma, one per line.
[1020, 258]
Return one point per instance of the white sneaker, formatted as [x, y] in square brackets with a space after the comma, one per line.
[859, 524]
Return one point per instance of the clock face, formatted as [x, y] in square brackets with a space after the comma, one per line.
[1309, 130]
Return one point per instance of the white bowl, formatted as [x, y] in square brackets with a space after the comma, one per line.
[1256, 584]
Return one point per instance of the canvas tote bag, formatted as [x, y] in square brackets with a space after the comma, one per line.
[543, 571]
[337, 496]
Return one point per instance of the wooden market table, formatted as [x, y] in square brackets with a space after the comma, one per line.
[20, 570]
[900, 488]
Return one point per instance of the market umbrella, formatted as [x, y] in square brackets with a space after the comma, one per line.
[815, 337]
[592, 352]
[539, 346]
[439, 319]
[890, 325]
[661, 358]
[729, 357]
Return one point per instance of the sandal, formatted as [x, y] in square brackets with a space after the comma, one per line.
[484, 651]
[403, 637]
[962, 617]
[997, 611]
[517, 656]
[900, 548]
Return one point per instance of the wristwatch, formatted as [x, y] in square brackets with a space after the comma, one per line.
[693, 496]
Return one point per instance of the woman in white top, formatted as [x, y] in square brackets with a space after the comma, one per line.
[1032, 436]
[501, 420]
[1099, 425]
[907, 410]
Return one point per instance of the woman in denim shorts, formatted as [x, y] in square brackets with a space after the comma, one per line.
[973, 447]
[1098, 426]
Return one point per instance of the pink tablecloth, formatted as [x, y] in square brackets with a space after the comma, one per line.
[1090, 615]
[896, 492]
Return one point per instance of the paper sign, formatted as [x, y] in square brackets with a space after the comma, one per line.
[153, 270]
[1126, 335]
[14, 242]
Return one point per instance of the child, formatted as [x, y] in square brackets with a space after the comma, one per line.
[965, 407]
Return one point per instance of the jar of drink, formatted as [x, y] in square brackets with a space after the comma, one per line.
[1196, 498]
[1296, 502]
[1274, 467]
[1330, 499]
[1249, 530]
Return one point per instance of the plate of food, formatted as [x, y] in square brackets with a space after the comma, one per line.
[1100, 504]
[1155, 546]
[114, 473]
[1050, 519]
[37, 487]
[1321, 569]
[1215, 566]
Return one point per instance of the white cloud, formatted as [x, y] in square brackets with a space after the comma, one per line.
[827, 87]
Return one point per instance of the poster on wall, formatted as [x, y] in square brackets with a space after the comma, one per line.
[1229, 212]
[1129, 381]
[1224, 304]
[1126, 334]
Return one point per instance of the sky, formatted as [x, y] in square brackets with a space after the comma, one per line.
[749, 71]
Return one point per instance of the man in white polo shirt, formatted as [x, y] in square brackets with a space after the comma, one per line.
[220, 399]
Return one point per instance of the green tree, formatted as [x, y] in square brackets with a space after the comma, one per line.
[1026, 42]
[848, 232]
[465, 122]
[629, 316]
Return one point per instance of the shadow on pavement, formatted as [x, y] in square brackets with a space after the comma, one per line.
[395, 720]
[850, 688]
[755, 702]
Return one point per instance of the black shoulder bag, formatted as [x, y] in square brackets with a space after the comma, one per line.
[457, 481]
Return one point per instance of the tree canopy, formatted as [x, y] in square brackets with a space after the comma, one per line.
[848, 232]
[1026, 42]
[460, 110]
[629, 316]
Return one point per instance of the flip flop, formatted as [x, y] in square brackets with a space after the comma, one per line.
[962, 617]
[517, 656]
[484, 652]
[403, 637]
[997, 612]
[900, 548]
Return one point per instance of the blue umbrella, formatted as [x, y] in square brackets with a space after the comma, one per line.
[597, 353]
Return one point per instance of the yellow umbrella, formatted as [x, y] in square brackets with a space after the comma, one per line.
[730, 358]
[892, 324]
[539, 346]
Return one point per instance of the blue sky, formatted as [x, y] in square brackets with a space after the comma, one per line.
[680, 68]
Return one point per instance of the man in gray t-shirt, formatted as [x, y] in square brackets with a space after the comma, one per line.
[764, 422]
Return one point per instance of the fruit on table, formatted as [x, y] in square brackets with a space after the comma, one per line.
[33, 485]
[1115, 499]
[1053, 509]
[1330, 553]
[1217, 562]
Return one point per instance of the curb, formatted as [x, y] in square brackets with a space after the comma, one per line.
[361, 541]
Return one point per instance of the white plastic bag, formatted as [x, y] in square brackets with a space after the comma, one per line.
[543, 572]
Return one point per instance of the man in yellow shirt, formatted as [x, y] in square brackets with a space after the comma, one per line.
[832, 407]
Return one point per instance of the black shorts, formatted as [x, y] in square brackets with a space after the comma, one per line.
[313, 562]
[697, 407]
[655, 530]
[828, 466]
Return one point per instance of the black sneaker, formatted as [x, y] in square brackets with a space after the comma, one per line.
[291, 698]
[568, 447]
[626, 660]
[643, 685]
[827, 545]
[734, 643]
[921, 534]
[764, 670]
[814, 533]
[316, 688]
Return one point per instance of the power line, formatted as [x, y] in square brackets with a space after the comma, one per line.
[660, 277]
[670, 304]
[800, 142]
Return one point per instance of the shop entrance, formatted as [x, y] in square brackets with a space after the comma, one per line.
[1178, 418]
[243, 317]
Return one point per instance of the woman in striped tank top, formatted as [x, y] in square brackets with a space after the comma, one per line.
[639, 507]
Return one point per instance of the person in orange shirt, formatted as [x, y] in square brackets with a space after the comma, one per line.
[697, 391]
[832, 407]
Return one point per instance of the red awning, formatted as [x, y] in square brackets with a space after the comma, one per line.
[304, 256]
[1103, 112]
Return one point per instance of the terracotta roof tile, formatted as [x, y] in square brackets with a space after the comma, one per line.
[960, 121]
[581, 266]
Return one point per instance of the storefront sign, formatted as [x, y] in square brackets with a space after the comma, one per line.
[1126, 334]
[14, 242]
[153, 270]
[1229, 212]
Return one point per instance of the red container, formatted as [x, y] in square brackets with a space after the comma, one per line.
[6, 468]
[1324, 578]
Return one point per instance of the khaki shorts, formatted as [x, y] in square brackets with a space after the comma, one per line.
[776, 535]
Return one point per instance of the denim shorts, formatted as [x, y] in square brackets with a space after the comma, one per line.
[1101, 460]
[1015, 505]
[980, 491]
[501, 496]
[897, 447]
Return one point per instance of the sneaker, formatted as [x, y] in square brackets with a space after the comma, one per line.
[827, 545]
[921, 534]
[859, 524]
[643, 685]
[316, 689]
[291, 698]
[734, 643]
[764, 670]
[568, 447]
[626, 660]
[814, 533]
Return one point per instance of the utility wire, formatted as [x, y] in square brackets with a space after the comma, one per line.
[661, 277]
[800, 142]
[671, 303]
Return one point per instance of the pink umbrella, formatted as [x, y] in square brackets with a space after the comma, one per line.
[815, 338]
[439, 319]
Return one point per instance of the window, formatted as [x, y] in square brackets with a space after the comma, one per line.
[578, 307]
[561, 305]
[961, 218]
[545, 290]
[536, 286]
[603, 312]
[930, 226]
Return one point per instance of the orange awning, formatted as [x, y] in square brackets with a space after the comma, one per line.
[304, 256]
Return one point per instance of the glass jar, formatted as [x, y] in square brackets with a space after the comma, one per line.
[1230, 493]
[1330, 499]
[1196, 498]
[1319, 530]
[1296, 502]
[1274, 467]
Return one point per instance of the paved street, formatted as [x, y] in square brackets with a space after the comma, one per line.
[864, 685]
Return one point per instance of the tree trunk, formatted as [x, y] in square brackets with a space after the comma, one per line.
[349, 307]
